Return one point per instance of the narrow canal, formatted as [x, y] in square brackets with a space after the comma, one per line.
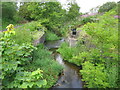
[70, 78]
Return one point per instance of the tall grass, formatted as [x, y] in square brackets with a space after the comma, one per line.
[28, 32]
[42, 59]
[51, 36]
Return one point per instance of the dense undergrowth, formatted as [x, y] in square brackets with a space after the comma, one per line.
[23, 65]
[29, 32]
[14, 59]
[42, 59]
[104, 56]
[10, 15]
[97, 52]
[51, 36]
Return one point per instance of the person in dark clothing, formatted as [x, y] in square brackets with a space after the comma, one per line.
[74, 31]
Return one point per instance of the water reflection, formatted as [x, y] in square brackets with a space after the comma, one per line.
[70, 77]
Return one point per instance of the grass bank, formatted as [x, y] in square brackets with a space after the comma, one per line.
[43, 59]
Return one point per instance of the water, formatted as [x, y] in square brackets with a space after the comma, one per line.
[54, 44]
[70, 77]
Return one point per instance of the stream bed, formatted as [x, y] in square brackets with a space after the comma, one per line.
[70, 78]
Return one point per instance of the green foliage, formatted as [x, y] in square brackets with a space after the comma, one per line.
[86, 20]
[22, 36]
[32, 26]
[98, 55]
[8, 10]
[5, 23]
[51, 36]
[79, 59]
[24, 12]
[65, 29]
[50, 14]
[73, 11]
[14, 59]
[27, 79]
[9, 14]
[107, 6]
[28, 32]
[54, 9]
[18, 19]
[42, 59]
[94, 75]
[104, 37]
[66, 51]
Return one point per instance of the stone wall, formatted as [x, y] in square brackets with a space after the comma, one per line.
[40, 40]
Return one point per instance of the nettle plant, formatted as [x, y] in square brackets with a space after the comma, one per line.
[14, 59]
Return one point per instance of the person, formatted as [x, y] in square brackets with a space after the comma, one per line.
[74, 31]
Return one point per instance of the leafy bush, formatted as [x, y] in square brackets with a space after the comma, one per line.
[8, 10]
[73, 11]
[22, 36]
[51, 36]
[98, 55]
[24, 12]
[102, 60]
[29, 32]
[66, 51]
[86, 20]
[14, 59]
[94, 75]
[33, 26]
[79, 59]
[42, 59]
[107, 6]
[9, 14]
[18, 19]
[28, 79]
[5, 23]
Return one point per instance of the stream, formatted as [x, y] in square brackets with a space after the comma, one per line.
[70, 77]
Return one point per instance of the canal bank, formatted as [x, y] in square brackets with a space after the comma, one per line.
[70, 77]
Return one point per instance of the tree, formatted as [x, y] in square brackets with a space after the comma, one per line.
[107, 6]
[24, 12]
[73, 11]
[49, 13]
[9, 9]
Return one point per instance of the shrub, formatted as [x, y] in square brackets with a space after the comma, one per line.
[102, 60]
[99, 54]
[14, 59]
[42, 59]
[22, 36]
[67, 52]
[94, 76]
[87, 19]
[28, 32]
[107, 6]
[51, 36]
